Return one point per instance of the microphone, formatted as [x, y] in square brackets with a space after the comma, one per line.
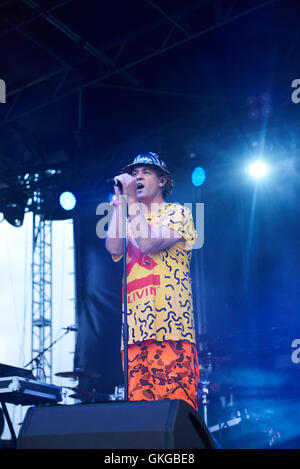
[70, 328]
[114, 182]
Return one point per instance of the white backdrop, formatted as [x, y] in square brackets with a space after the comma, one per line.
[15, 302]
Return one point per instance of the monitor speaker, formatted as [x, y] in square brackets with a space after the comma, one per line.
[169, 424]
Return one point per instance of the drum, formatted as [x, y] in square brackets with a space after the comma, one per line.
[119, 393]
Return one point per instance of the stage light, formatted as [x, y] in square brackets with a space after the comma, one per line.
[198, 176]
[13, 208]
[67, 200]
[14, 214]
[258, 169]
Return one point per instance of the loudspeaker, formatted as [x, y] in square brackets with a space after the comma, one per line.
[117, 425]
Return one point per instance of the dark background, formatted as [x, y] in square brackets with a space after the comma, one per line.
[92, 84]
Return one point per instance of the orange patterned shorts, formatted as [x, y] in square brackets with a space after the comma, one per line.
[163, 370]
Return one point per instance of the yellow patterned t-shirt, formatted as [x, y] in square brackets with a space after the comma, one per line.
[159, 296]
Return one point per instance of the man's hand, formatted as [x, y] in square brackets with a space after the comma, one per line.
[128, 185]
[114, 238]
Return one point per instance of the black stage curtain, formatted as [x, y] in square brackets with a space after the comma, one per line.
[98, 304]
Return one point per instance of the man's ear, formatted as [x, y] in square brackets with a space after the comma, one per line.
[162, 181]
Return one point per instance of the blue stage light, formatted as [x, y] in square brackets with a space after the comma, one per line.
[198, 176]
[258, 169]
[67, 200]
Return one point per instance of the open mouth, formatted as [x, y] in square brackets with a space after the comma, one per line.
[140, 186]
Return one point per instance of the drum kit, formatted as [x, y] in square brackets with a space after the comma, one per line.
[90, 396]
[222, 405]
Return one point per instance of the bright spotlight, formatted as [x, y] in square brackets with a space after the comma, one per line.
[258, 169]
[198, 176]
[67, 200]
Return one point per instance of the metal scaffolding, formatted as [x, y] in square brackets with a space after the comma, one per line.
[220, 15]
[41, 329]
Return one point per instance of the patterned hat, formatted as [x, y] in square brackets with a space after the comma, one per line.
[152, 159]
[146, 158]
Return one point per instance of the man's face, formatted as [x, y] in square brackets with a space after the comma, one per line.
[147, 182]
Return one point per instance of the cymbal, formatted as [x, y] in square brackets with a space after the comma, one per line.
[78, 374]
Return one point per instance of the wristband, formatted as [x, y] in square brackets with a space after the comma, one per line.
[116, 203]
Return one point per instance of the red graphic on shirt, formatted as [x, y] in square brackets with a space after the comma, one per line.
[145, 261]
[136, 257]
[153, 280]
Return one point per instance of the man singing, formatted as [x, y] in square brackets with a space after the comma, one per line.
[162, 355]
